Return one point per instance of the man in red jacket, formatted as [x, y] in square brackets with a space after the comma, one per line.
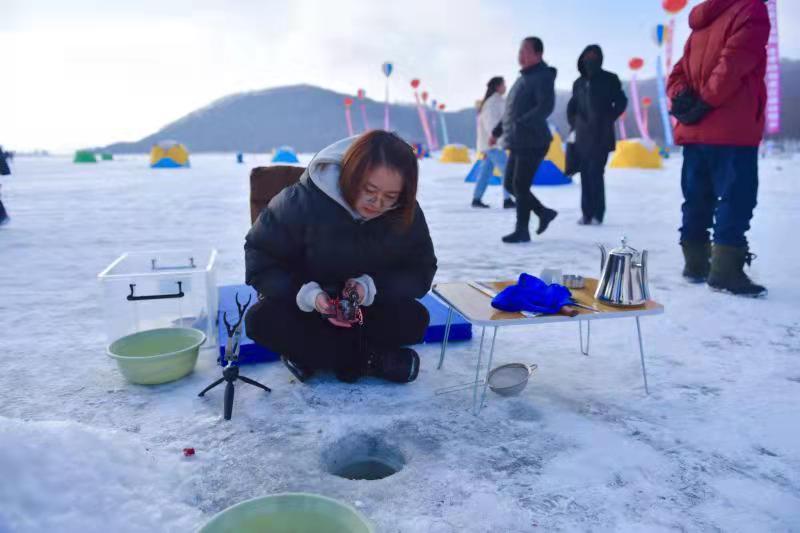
[718, 96]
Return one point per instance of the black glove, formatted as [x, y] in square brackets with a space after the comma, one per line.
[688, 108]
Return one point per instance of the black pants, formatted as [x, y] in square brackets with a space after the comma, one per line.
[593, 188]
[520, 170]
[315, 343]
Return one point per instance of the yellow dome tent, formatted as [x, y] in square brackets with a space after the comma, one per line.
[169, 154]
[636, 153]
[455, 153]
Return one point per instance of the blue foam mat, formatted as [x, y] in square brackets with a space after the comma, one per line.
[250, 352]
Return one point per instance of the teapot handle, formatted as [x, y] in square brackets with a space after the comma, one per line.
[643, 266]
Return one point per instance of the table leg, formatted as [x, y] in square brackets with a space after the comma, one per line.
[641, 355]
[488, 369]
[477, 372]
[585, 351]
[446, 336]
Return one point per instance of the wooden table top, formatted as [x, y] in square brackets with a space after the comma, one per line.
[476, 306]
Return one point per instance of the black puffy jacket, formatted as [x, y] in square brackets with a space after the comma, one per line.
[528, 104]
[307, 234]
[596, 103]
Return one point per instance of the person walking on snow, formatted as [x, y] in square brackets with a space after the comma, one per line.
[490, 113]
[527, 135]
[597, 102]
[718, 97]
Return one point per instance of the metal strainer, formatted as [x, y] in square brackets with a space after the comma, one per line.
[505, 380]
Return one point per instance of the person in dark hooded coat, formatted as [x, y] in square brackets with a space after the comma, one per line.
[4, 171]
[352, 222]
[597, 102]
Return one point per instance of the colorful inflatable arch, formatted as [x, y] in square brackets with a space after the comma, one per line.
[455, 153]
[169, 154]
[285, 154]
[636, 153]
[550, 172]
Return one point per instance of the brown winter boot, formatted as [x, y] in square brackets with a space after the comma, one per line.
[727, 272]
[697, 257]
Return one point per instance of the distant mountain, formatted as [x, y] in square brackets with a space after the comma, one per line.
[309, 118]
[302, 116]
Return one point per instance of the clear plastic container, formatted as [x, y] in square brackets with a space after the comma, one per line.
[149, 290]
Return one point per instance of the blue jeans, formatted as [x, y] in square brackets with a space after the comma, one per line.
[493, 157]
[720, 185]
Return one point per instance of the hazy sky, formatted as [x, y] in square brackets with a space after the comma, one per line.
[79, 72]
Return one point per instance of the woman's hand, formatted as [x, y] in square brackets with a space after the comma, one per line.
[325, 307]
[351, 284]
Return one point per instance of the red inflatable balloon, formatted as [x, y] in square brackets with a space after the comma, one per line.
[647, 101]
[361, 94]
[424, 96]
[636, 63]
[415, 83]
[441, 107]
[348, 101]
[673, 6]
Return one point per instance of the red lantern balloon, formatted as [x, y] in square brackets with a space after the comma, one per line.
[647, 101]
[361, 94]
[673, 6]
[348, 101]
[424, 96]
[415, 83]
[441, 107]
[636, 63]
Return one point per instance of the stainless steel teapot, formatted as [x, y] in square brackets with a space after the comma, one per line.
[623, 276]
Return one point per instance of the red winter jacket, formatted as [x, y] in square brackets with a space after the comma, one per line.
[724, 62]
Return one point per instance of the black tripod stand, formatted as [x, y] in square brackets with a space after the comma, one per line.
[230, 372]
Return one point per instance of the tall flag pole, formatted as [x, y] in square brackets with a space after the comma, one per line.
[386, 68]
[773, 78]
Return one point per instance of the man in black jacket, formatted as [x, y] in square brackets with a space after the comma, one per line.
[597, 102]
[527, 135]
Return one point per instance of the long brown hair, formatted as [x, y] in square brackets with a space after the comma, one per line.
[491, 88]
[380, 148]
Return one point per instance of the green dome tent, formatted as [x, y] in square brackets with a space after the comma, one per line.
[84, 156]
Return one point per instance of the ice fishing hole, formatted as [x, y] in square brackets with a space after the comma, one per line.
[362, 456]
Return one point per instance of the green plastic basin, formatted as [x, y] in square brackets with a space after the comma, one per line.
[289, 513]
[157, 355]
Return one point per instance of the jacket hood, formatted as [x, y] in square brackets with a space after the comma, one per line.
[704, 14]
[324, 171]
[591, 48]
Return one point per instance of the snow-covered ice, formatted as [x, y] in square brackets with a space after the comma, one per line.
[716, 445]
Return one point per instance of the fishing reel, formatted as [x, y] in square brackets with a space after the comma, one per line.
[347, 308]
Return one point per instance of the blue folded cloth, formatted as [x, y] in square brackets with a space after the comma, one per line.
[532, 294]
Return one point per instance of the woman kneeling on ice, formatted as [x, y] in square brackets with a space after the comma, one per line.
[351, 226]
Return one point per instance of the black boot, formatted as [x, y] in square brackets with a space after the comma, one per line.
[509, 203]
[727, 272]
[400, 365]
[697, 258]
[546, 216]
[478, 203]
[299, 371]
[519, 235]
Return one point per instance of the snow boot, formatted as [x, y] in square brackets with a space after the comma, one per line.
[478, 203]
[400, 365]
[297, 370]
[697, 258]
[517, 237]
[727, 272]
[509, 203]
[547, 216]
